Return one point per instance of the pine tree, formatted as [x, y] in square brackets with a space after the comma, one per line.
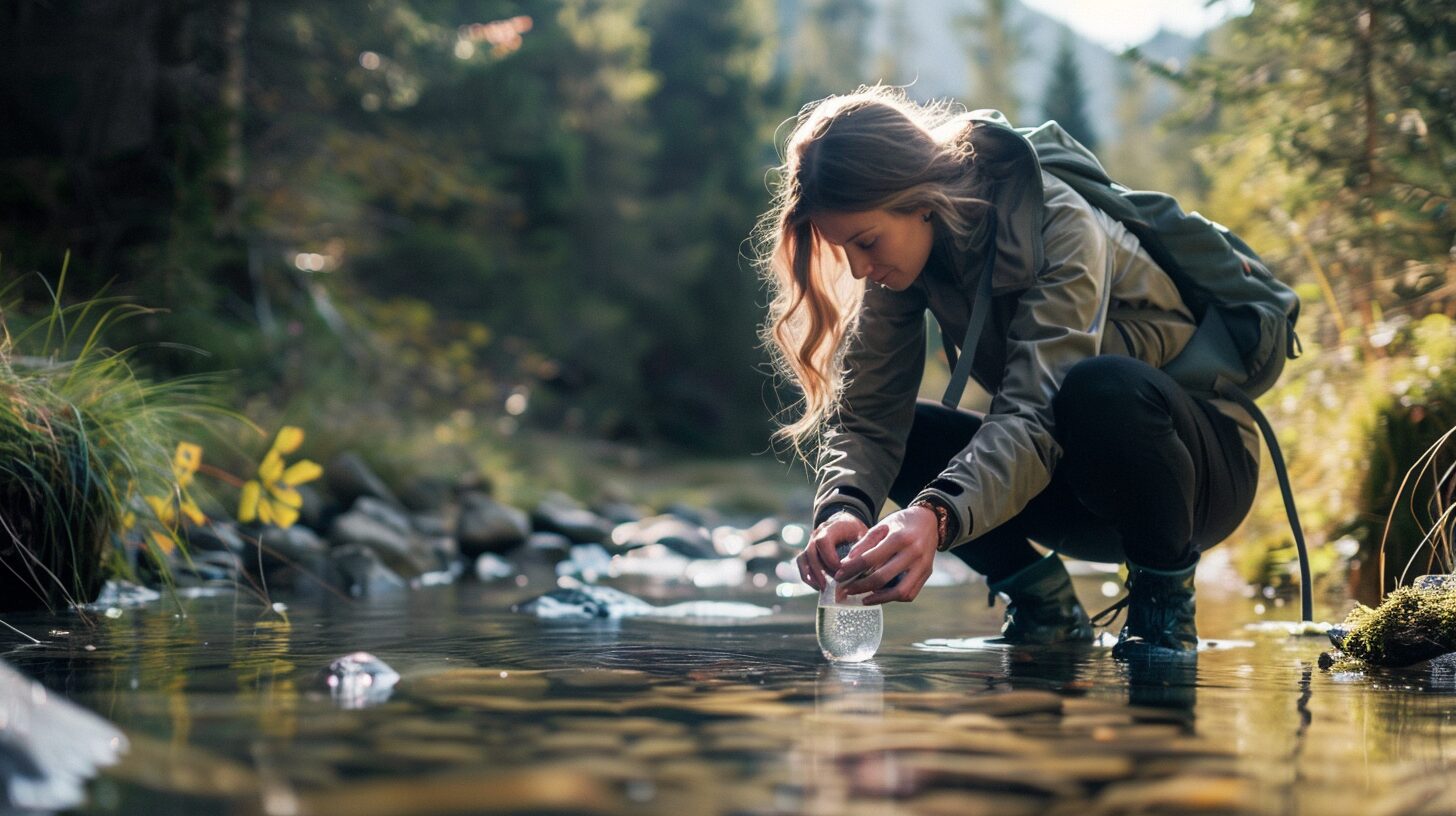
[993, 49]
[1066, 99]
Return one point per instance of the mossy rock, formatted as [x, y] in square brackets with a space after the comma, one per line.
[1411, 625]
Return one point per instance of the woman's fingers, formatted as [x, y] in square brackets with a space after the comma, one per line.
[806, 573]
[907, 590]
[865, 555]
[882, 573]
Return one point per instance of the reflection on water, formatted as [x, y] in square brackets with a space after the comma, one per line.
[226, 711]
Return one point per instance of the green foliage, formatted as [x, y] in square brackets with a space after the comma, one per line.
[1335, 122]
[82, 438]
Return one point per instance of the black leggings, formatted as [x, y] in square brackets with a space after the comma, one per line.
[1148, 473]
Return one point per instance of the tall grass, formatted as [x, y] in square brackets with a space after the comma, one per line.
[82, 437]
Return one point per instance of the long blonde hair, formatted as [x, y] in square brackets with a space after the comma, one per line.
[871, 149]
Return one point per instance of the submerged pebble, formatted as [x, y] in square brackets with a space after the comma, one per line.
[358, 680]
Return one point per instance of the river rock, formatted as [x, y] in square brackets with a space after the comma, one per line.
[358, 571]
[316, 512]
[207, 566]
[384, 513]
[296, 545]
[674, 533]
[584, 603]
[348, 478]
[587, 562]
[49, 746]
[430, 524]
[217, 536]
[491, 567]
[359, 679]
[425, 494]
[559, 513]
[618, 512]
[395, 547]
[554, 547]
[485, 525]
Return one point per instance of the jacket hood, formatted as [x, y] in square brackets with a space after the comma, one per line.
[1006, 160]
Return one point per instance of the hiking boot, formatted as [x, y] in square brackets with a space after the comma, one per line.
[1041, 606]
[1159, 614]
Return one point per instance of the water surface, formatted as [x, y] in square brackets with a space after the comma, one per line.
[500, 712]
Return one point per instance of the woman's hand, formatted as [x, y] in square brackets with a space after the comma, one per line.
[903, 543]
[819, 557]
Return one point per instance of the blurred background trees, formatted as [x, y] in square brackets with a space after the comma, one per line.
[534, 211]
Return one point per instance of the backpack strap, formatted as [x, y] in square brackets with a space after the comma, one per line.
[980, 309]
[1231, 392]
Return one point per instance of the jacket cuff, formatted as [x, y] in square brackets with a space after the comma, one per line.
[947, 494]
[846, 499]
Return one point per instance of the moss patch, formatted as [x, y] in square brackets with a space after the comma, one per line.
[1411, 625]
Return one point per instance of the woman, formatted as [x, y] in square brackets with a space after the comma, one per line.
[886, 209]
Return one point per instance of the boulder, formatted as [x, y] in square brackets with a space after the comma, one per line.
[398, 549]
[430, 524]
[553, 547]
[485, 525]
[618, 512]
[358, 572]
[491, 567]
[559, 513]
[296, 546]
[672, 532]
[214, 536]
[426, 494]
[348, 477]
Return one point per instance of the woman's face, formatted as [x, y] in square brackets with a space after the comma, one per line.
[887, 247]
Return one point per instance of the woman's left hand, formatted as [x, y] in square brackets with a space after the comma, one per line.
[904, 542]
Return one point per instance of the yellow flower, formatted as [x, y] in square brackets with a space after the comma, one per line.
[273, 497]
[185, 461]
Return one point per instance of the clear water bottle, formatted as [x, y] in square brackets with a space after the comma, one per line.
[849, 631]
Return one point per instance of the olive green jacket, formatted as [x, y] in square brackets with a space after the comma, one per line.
[1086, 288]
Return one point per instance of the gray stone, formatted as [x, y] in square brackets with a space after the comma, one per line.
[384, 513]
[296, 546]
[430, 524]
[618, 512]
[359, 679]
[397, 549]
[676, 534]
[207, 566]
[587, 562]
[348, 478]
[314, 512]
[50, 747]
[486, 525]
[491, 567]
[559, 513]
[214, 536]
[553, 546]
[358, 571]
[700, 516]
[424, 494]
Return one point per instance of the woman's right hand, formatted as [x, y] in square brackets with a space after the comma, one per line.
[819, 557]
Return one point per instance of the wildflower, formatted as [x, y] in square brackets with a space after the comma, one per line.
[185, 462]
[273, 497]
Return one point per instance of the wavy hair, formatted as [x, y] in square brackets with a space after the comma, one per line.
[868, 150]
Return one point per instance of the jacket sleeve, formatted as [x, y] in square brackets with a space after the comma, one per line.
[1058, 321]
[865, 441]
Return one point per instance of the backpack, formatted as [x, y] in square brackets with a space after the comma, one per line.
[1245, 315]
